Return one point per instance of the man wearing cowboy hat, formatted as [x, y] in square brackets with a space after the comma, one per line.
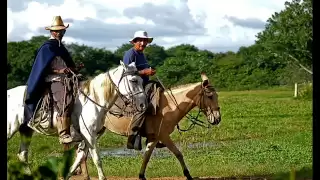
[50, 71]
[140, 40]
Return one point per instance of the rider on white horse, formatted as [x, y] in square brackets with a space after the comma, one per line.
[51, 69]
[135, 54]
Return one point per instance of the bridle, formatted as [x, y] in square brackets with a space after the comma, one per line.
[123, 97]
[205, 90]
[131, 94]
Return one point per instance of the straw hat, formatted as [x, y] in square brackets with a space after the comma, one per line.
[57, 24]
[141, 34]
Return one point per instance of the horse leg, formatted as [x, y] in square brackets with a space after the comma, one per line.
[91, 142]
[26, 134]
[82, 151]
[146, 157]
[84, 168]
[173, 148]
[97, 160]
[78, 170]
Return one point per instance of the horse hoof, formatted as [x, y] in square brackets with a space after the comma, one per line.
[142, 177]
[86, 178]
[77, 172]
[187, 174]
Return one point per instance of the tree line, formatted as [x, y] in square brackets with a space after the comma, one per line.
[281, 55]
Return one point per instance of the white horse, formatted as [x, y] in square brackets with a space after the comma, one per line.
[91, 104]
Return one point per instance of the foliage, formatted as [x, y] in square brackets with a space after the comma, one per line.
[280, 56]
[288, 34]
[50, 170]
[305, 91]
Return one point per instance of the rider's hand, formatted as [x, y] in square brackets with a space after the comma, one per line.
[64, 71]
[153, 72]
[148, 72]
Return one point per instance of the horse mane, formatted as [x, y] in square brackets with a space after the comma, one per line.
[184, 86]
[93, 85]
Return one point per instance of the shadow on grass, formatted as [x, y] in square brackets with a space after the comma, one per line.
[302, 174]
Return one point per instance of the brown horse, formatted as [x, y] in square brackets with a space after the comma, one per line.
[172, 108]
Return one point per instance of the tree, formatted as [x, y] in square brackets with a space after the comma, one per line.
[120, 50]
[288, 34]
[20, 59]
[185, 68]
[180, 50]
[155, 55]
[95, 60]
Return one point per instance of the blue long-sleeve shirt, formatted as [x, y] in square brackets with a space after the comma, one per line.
[138, 57]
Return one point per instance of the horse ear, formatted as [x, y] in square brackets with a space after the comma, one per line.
[204, 77]
[205, 80]
[205, 83]
[121, 62]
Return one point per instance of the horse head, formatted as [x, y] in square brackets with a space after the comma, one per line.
[208, 101]
[130, 84]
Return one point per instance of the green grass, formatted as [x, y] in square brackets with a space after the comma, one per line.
[262, 132]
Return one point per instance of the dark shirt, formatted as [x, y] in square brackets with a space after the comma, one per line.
[138, 57]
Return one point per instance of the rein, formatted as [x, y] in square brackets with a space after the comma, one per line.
[117, 90]
[74, 76]
[194, 119]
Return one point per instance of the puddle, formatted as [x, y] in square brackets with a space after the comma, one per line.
[164, 152]
[124, 152]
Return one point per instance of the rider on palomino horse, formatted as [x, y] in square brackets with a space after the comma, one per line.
[140, 41]
[51, 69]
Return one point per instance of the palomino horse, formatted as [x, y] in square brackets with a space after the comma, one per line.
[172, 108]
[95, 98]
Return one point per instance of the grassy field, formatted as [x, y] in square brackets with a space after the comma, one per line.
[262, 132]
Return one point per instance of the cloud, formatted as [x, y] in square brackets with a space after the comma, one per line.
[179, 21]
[19, 5]
[247, 23]
[208, 24]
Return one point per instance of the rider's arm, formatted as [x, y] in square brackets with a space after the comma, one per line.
[128, 57]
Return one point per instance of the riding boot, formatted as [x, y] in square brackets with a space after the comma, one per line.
[137, 143]
[134, 141]
[63, 126]
[130, 142]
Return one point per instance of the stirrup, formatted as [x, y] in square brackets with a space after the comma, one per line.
[65, 139]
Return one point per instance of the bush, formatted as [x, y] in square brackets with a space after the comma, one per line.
[49, 171]
[306, 90]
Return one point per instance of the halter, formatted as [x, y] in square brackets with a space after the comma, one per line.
[122, 97]
[195, 120]
[117, 89]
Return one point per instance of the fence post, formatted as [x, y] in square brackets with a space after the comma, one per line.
[295, 89]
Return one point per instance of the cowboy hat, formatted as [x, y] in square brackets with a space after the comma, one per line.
[141, 34]
[57, 24]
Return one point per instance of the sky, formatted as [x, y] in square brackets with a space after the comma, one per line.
[215, 25]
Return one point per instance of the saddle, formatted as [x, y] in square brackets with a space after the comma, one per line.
[124, 108]
[42, 119]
